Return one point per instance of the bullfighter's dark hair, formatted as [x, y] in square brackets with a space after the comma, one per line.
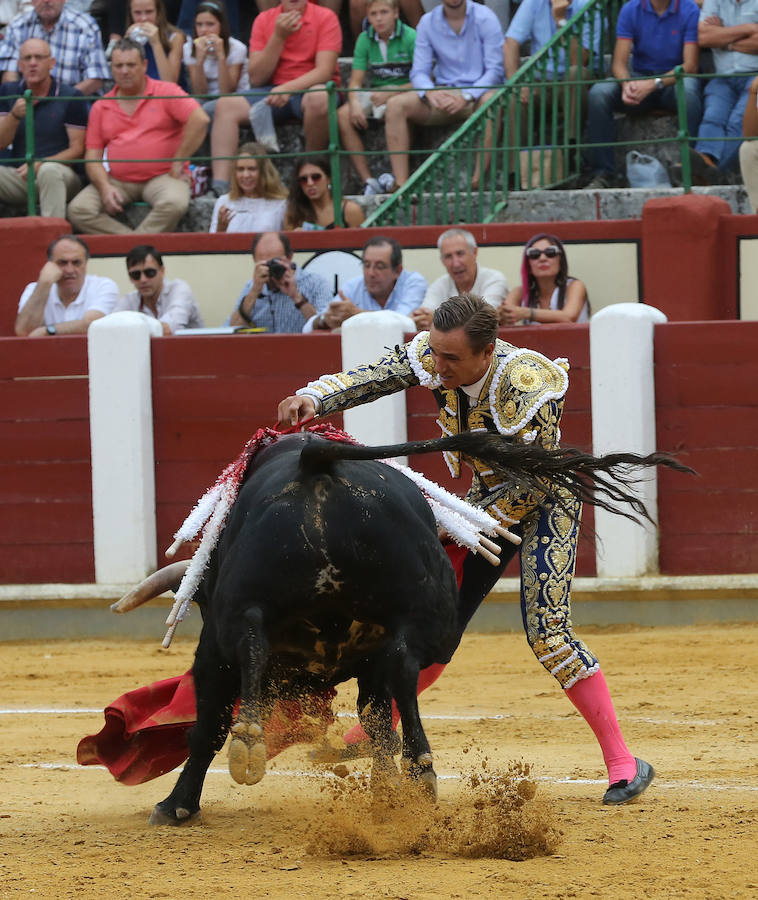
[472, 313]
[140, 253]
[67, 237]
[383, 240]
[125, 44]
[282, 237]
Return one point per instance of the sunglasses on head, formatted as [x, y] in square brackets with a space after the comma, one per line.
[136, 274]
[536, 252]
[311, 176]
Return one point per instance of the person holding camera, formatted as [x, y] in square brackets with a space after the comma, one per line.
[280, 297]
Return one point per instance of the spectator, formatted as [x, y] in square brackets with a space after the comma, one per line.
[547, 293]
[537, 22]
[58, 133]
[216, 62]
[74, 40]
[280, 297]
[731, 30]
[311, 206]
[64, 299]
[412, 11]
[129, 126]
[749, 149]
[147, 24]
[384, 284]
[460, 44]
[458, 252]
[293, 47]
[189, 8]
[385, 49]
[657, 35]
[257, 199]
[501, 8]
[171, 302]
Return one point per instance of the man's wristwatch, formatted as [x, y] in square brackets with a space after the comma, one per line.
[467, 96]
[50, 329]
[301, 302]
[658, 83]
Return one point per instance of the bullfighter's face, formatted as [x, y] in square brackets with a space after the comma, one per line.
[454, 360]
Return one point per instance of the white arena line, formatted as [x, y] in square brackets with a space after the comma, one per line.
[489, 717]
[325, 773]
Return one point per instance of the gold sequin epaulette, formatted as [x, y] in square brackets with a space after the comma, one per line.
[523, 382]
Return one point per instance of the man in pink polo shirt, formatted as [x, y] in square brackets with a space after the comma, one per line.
[127, 126]
[293, 47]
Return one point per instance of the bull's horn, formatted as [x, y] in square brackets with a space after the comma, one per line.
[153, 586]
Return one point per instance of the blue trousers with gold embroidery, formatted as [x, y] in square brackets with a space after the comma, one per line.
[548, 557]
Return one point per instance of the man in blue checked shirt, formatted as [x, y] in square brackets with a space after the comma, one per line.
[280, 297]
[461, 41]
[74, 40]
[384, 285]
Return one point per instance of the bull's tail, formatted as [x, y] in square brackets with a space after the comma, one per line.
[602, 481]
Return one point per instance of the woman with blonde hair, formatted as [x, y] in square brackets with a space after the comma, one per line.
[257, 199]
[547, 293]
[147, 23]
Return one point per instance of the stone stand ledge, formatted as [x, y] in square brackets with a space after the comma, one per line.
[81, 611]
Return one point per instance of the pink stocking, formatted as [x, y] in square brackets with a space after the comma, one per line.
[591, 697]
[425, 678]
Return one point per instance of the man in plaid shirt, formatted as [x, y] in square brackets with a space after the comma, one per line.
[74, 40]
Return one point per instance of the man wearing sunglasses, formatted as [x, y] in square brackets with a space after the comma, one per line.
[171, 301]
[64, 299]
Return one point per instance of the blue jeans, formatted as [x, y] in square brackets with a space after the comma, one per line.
[725, 100]
[605, 99]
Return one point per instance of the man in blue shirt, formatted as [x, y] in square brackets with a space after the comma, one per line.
[730, 29]
[384, 285]
[280, 297]
[657, 36]
[59, 129]
[462, 42]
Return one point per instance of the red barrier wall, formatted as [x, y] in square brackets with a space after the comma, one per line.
[209, 396]
[45, 476]
[707, 414]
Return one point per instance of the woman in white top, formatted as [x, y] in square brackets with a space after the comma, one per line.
[216, 62]
[257, 199]
[547, 293]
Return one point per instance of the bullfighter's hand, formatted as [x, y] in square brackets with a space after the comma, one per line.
[294, 409]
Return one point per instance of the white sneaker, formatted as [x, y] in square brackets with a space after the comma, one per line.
[372, 188]
[386, 182]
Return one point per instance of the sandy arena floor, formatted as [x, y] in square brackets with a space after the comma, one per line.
[687, 700]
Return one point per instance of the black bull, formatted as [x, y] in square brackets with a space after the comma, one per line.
[330, 568]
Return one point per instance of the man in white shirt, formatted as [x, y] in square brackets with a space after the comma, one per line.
[171, 302]
[458, 252]
[64, 299]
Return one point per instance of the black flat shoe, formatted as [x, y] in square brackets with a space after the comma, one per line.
[623, 791]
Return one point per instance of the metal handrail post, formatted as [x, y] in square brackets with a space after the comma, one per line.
[683, 135]
[334, 152]
[31, 175]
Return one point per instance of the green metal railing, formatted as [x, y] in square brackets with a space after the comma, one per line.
[526, 136]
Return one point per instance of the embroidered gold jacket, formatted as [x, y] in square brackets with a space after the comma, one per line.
[522, 398]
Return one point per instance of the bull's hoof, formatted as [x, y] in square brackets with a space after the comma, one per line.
[422, 773]
[178, 816]
[247, 753]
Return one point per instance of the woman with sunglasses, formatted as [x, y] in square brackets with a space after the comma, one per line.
[257, 199]
[547, 293]
[311, 206]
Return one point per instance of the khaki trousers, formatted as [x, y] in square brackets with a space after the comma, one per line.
[56, 184]
[749, 167]
[168, 198]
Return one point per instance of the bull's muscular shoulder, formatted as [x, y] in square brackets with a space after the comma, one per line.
[524, 381]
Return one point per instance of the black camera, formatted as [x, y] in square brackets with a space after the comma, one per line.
[277, 269]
